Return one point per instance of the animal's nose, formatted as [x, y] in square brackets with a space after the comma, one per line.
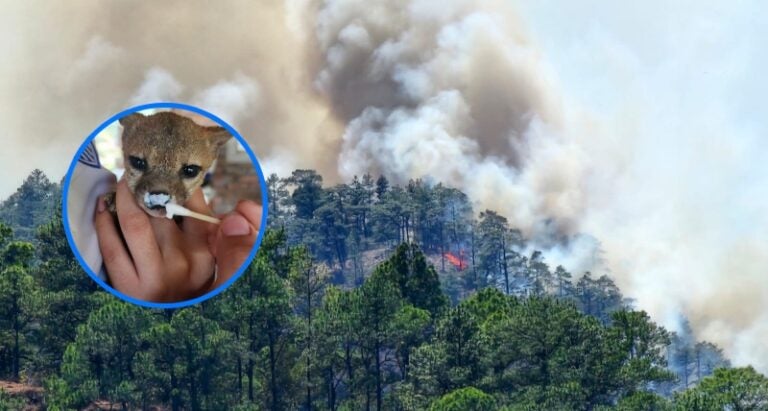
[156, 199]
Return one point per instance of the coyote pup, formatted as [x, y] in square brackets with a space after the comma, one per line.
[166, 156]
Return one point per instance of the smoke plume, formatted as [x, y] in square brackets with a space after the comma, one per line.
[665, 188]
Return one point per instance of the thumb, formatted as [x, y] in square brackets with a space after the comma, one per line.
[234, 244]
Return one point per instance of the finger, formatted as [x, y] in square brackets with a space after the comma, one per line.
[212, 237]
[202, 266]
[197, 229]
[248, 209]
[251, 211]
[120, 269]
[174, 249]
[188, 262]
[234, 245]
[167, 233]
[138, 233]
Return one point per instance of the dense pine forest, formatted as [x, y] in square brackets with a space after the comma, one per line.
[363, 296]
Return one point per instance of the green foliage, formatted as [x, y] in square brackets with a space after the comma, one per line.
[563, 287]
[58, 395]
[67, 295]
[492, 249]
[643, 401]
[184, 363]
[19, 303]
[102, 356]
[322, 320]
[376, 305]
[8, 402]
[691, 360]
[18, 253]
[464, 399]
[410, 326]
[382, 185]
[538, 351]
[335, 344]
[641, 345]
[453, 359]
[329, 239]
[416, 280]
[31, 205]
[598, 297]
[391, 217]
[267, 311]
[309, 281]
[307, 193]
[278, 194]
[6, 234]
[727, 389]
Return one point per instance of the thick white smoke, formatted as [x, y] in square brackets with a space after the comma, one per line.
[451, 92]
[456, 91]
[68, 67]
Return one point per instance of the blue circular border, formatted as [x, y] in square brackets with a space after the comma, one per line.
[264, 200]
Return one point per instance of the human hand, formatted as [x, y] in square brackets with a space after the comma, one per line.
[235, 238]
[159, 260]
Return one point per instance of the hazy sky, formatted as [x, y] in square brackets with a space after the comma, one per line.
[678, 89]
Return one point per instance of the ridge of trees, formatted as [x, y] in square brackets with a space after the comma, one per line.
[304, 328]
[346, 226]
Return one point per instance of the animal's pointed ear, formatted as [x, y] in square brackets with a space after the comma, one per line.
[217, 135]
[131, 119]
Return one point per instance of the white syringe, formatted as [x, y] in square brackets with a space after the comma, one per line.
[172, 209]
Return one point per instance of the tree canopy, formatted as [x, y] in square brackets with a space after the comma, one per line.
[367, 295]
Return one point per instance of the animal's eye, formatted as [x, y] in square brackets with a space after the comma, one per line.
[190, 171]
[138, 163]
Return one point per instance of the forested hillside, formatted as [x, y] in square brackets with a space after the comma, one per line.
[364, 295]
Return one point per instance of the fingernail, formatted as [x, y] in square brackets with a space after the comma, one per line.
[235, 225]
[101, 205]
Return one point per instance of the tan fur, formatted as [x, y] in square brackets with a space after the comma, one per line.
[167, 142]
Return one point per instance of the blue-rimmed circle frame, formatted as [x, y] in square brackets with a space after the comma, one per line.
[256, 166]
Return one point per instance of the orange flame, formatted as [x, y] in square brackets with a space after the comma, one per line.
[456, 261]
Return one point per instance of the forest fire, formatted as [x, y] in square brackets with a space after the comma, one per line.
[458, 262]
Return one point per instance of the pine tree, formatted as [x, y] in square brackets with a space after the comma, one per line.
[378, 301]
[598, 297]
[332, 230]
[31, 205]
[66, 294]
[464, 399]
[539, 276]
[308, 281]
[708, 357]
[336, 342]
[494, 249]
[727, 389]
[278, 199]
[415, 279]
[186, 360]
[382, 186]
[99, 363]
[391, 217]
[18, 302]
[563, 284]
[641, 343]
[307, 193]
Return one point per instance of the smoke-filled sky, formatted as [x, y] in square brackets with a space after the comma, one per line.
[633, 131]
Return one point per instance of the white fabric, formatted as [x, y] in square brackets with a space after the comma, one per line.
[87, 184]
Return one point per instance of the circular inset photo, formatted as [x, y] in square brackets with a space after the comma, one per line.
[164, 205]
